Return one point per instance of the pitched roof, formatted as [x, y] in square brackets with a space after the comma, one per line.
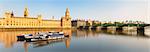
[50, 20]
[26, 17]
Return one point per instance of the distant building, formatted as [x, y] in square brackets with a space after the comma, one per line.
[78, 23]
[89, 23]
[95, 22]
[11, 21]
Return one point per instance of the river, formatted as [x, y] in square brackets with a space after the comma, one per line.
[80, 41]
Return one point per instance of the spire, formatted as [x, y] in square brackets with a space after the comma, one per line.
[67, 10]
[67, 14]
[26, 12]
[12, 14]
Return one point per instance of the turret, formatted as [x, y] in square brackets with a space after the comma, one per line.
[12, 14]
[7, 14]
[67, 14]
[26, 12]
[39, 17]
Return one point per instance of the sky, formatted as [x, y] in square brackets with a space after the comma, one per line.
[101, 10]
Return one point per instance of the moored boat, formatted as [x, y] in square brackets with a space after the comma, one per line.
[40, 36]
[21, 37]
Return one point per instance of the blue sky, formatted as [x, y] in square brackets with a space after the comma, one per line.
[102, 10]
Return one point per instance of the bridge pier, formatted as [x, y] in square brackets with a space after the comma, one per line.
[94, 27]
[119, 29]
[140, 31]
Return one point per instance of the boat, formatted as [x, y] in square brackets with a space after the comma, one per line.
[21, 37]
[41, 36]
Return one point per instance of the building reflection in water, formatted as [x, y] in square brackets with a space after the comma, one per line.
[26, 45]
[85, 33]
[97, 32]
[46, 43]
[67, 42]
[8, 36]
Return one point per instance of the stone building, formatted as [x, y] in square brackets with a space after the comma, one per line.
[89, 22]
[11, 21]
[95, 22]
[78, 23]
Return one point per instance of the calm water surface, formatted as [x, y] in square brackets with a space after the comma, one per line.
[80, 41]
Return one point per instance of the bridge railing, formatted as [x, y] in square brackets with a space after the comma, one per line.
[121, 25]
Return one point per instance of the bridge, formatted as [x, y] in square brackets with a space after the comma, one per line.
[114, 25]
[140, 28]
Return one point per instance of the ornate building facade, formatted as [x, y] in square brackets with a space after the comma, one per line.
[11, 21]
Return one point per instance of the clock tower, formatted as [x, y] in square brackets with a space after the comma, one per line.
[66, 20]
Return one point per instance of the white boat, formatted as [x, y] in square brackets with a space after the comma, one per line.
[44, 36]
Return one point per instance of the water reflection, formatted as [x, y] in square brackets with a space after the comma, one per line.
[8, 36]
[85, 33]
[46, 43]
[97, 32]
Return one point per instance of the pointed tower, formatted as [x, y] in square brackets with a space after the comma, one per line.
[66, 21]
[67, 14]
[12, 14]
[26, 12]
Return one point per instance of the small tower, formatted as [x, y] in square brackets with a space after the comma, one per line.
[12, 14]
[7, 14]
[39, 17]
[26, 12]
[66, 20]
